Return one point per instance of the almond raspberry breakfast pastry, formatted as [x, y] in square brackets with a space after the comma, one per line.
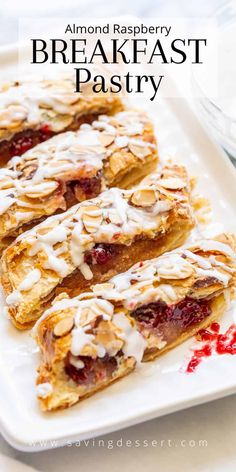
[34, 110]
[89, 341]
[74, 166]
[94, 241]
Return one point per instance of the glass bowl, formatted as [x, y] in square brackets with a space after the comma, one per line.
[219, 114]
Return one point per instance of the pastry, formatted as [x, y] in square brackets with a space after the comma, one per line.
[89, 341]
[32, 111]
[73, 166]
[94, 241]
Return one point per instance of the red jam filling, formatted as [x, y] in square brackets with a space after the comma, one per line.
[213, 341]
[87, 188]
[100, 254]
[94, 370]
[27, 139]
[182, 315]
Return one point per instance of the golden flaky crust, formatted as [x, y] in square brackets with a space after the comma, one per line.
[170, 279]
[136, 224]
[74, 166]
[39, 109]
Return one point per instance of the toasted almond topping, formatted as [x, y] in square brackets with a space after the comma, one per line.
[99, 288]
[92, 218]
[12, 116]
[86, 316]
[59, 297]
[114, 217]
[63, 327]
[139, 151]
[6, 183]
[144, 197]
[29, 170]
[106, 139]
[42, 190]
[173, 183]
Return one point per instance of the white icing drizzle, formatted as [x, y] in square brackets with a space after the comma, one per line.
[30, 280]
[31, 103]
[86, 309]
[134, 342]
[5, 203]
[14, 298]
[147, 281]
[44, 390]
[63, 239]
[201, 261]
[212, 245]
[62, 158]
[173, 266]
[142, 284]
[220, 276]
[27, 283]
[77, 363]
[225, 267]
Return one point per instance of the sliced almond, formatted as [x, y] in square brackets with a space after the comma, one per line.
[86, 316]
[101, 288]
[29, 170]
[106, 139]
[63, 327]
[114, 217]
[107, 338]
[117, 163]
[144, 197]
[103, 307]
[41, 190]
[6, 183]
[139, 151]
[12, 116]
[59, 297]
[92, 218]
[173, 183]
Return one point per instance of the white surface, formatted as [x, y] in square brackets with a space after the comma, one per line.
[215, 421]
[157, 388]
[10, 465]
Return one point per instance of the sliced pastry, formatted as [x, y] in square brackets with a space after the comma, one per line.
[32, 111]
[89, 341]
[94, 241]
[74, 166]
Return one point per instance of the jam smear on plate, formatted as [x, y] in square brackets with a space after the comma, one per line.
[213, 341]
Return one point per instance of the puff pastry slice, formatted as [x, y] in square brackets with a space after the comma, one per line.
[72, 167]
[94, 241]
[32, 111]
[91, 340]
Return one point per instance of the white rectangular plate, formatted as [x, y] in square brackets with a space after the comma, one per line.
[156, 388]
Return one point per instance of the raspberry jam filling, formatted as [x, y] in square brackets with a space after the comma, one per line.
[100, 254]
[87, 188]
[92, 371]
[171, 320]
[27, 139]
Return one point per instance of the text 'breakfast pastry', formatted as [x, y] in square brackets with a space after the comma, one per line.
[95, 240]
[32, 111]
[89, 341]
[74, 166]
